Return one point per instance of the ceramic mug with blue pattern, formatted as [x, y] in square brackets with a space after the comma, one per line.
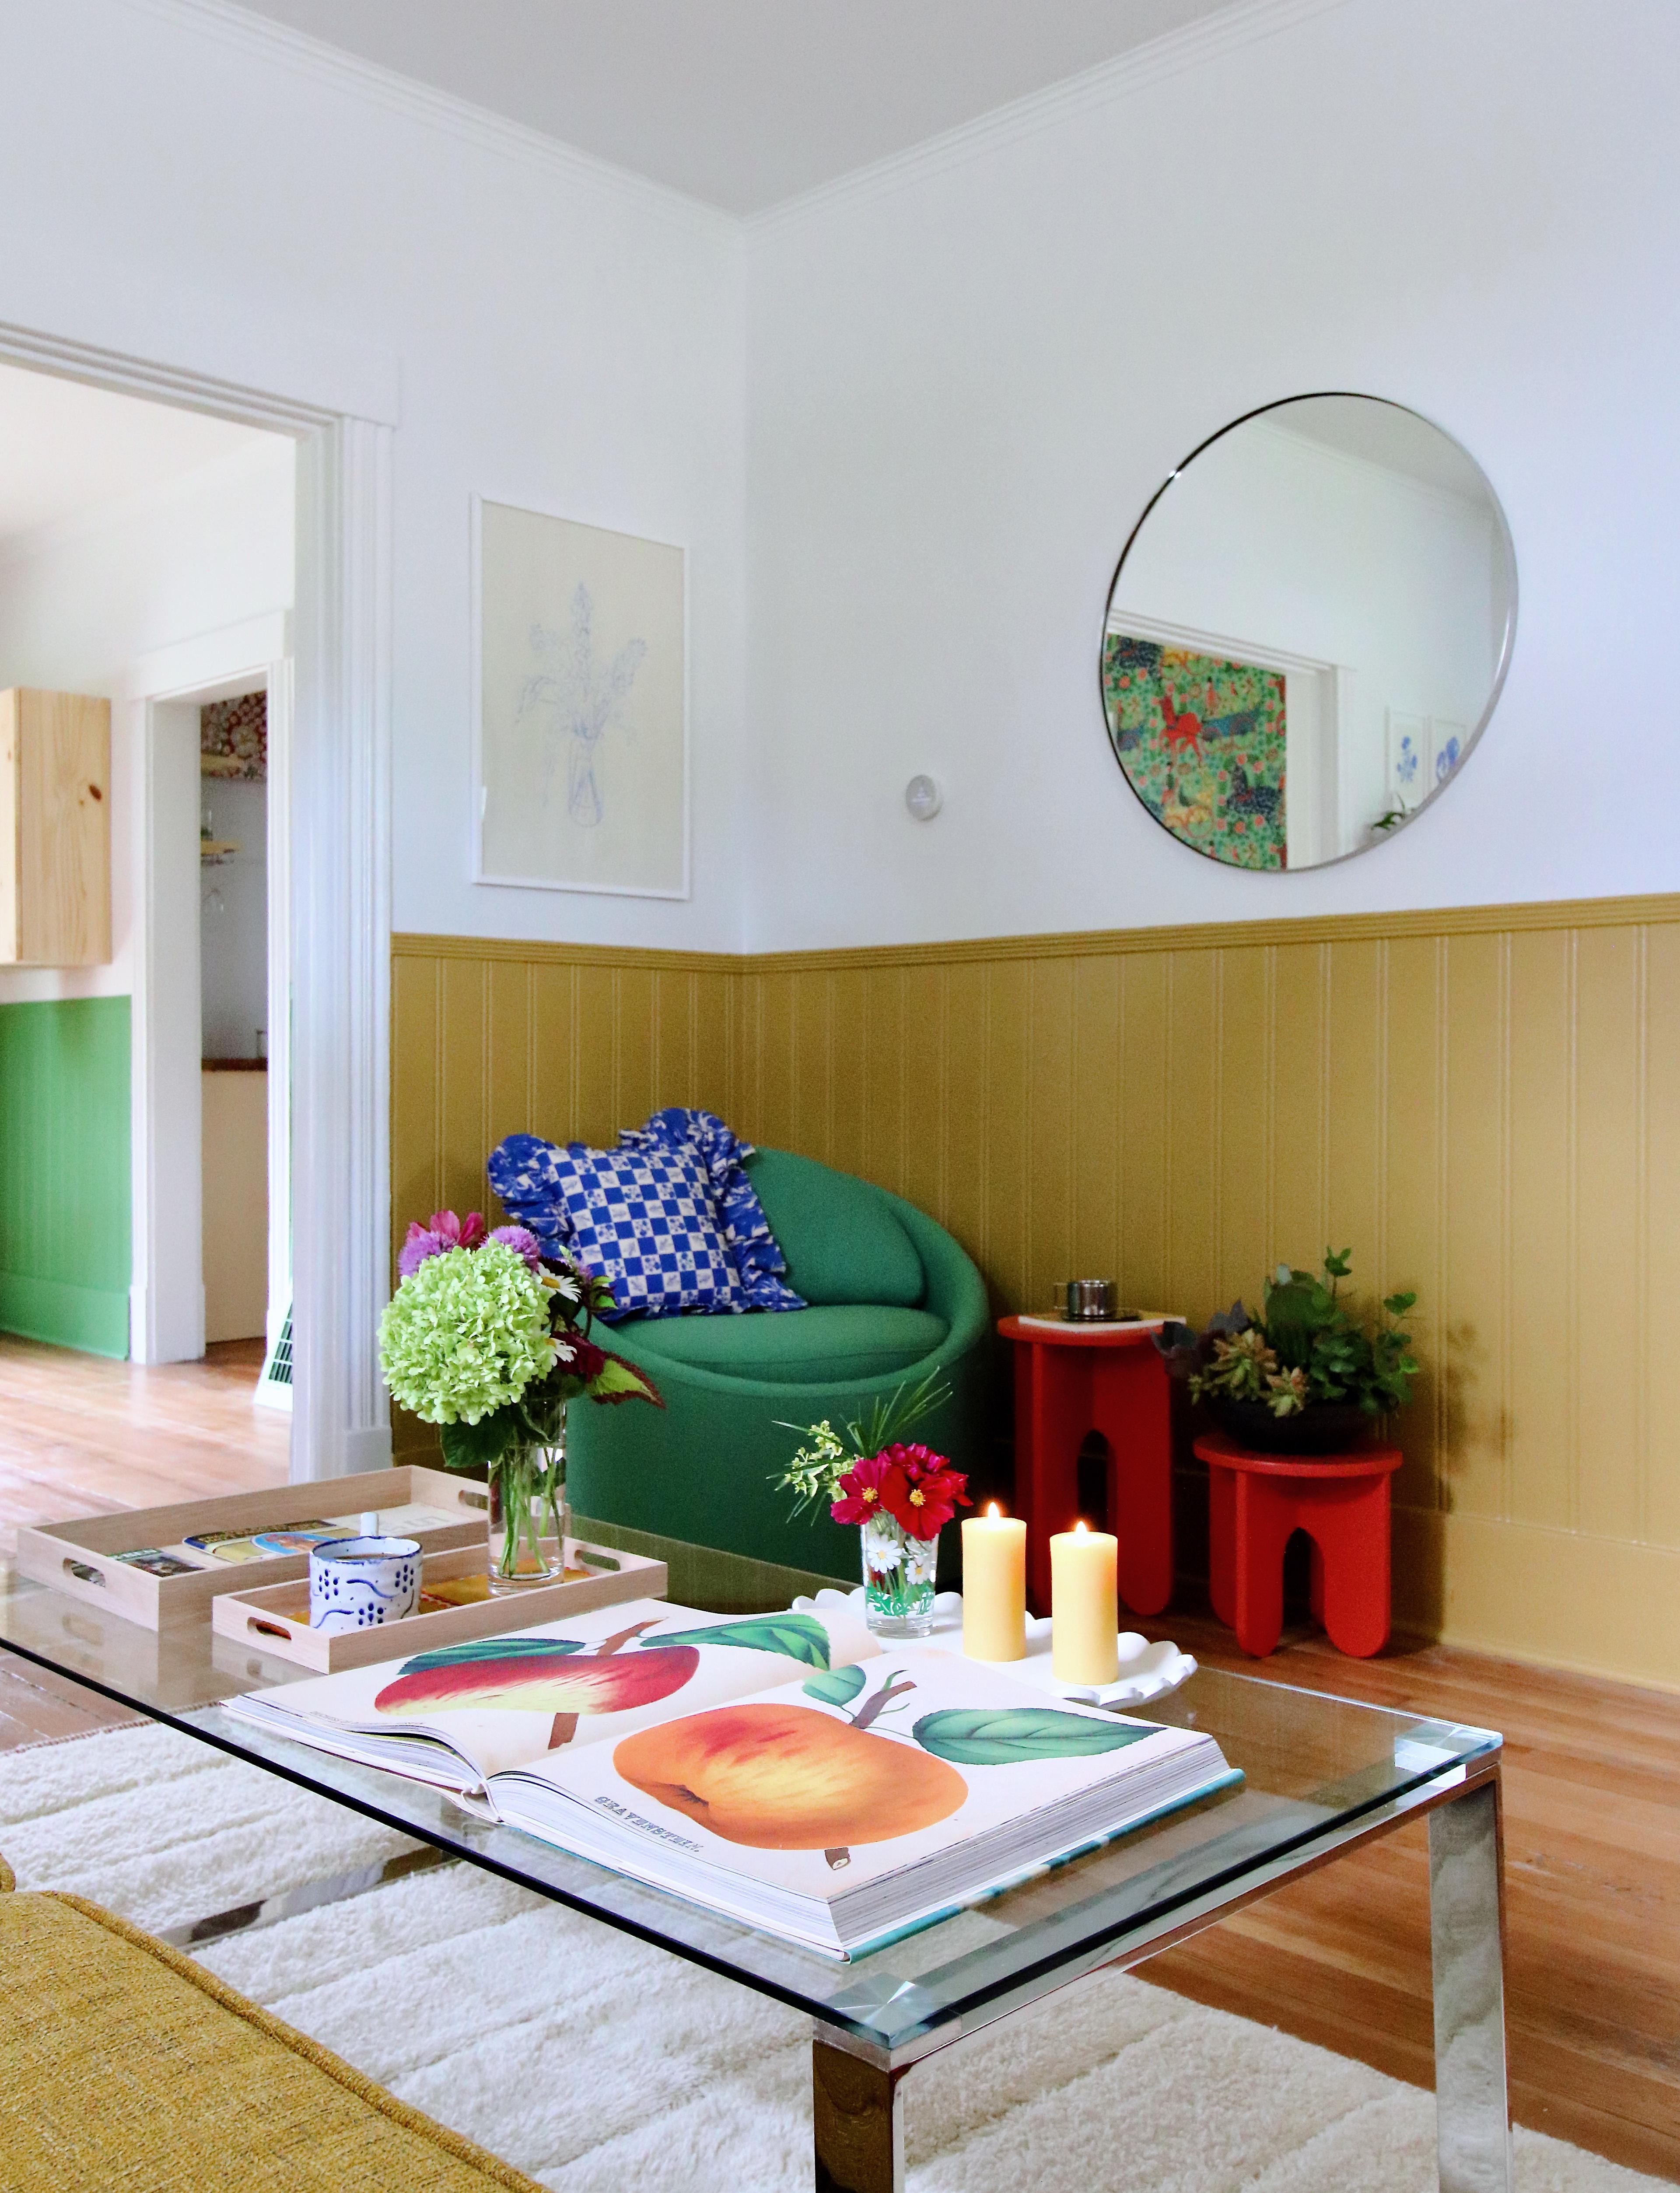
[356, 1583]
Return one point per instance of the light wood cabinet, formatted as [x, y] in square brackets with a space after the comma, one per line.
[55, 829]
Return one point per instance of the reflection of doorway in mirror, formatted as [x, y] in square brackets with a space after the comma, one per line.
[1203, 742]
[1305, 816]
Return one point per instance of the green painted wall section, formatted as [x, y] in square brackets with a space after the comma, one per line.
[66, 1258]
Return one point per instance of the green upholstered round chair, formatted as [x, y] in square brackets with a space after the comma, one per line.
[891, 1296]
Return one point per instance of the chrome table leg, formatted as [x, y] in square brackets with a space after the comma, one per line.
[1467, 1944]
[858, 2122]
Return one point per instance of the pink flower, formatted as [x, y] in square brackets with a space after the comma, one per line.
[441, 1232]
[868, 1491]
[522, 1242]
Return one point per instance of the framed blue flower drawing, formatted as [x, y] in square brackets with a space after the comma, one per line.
[579, 706]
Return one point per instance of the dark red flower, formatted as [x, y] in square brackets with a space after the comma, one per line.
[931, 1490]
[869, 1487]
[916, 1461]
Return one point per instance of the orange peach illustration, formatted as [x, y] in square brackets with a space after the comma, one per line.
[787, 1778]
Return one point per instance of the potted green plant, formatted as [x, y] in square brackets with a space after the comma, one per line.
[1304, 1376]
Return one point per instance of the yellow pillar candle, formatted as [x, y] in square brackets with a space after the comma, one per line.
[995, 1586]
[1084, 1606]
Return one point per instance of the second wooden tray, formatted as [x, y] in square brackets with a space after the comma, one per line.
[275, 1618]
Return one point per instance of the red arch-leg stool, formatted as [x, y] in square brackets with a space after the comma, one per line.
[1255, 1501]
[1071, 1380]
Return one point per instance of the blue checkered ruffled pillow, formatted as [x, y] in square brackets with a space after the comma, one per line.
[757, 1253]
[643, 1219]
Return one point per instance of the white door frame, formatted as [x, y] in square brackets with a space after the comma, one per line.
[166, 691]
[339, 885]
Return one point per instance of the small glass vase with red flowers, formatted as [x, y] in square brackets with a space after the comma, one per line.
[901, 1496]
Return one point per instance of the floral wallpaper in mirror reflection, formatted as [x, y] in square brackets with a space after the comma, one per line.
[1202, 742]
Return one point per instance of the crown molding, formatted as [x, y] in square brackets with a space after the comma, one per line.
[1177, 51]
[276, 44]
[1656, 909]
[1172, 54]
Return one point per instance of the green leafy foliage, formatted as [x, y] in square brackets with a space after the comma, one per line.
[492, 1648]
[825, 1455]
[480, 1445]
[796, 1636]
[968, 1737]
[619, 1381]
[1303, 1349]
[837, 1688]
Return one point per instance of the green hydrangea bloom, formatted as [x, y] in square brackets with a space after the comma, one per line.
[465, 1334]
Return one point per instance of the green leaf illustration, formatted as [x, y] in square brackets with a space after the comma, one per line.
[966, 1737]
[837, 1689]
[797, 1636]
[492, 1648]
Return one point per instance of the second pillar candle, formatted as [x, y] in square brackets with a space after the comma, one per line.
[1084, 1606]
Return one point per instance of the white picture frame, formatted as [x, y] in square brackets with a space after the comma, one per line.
[1407, 760]
[579, 706]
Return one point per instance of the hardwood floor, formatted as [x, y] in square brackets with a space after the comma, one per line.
[1591, 1781]
[82, 1435]
[1592, 1898]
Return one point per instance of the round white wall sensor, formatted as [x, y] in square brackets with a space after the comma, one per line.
[923, 799]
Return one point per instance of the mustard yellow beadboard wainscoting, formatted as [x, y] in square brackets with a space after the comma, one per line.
[1484, 1103]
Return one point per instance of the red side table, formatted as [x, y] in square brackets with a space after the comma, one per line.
[1072, 1379]
[1340, 1500]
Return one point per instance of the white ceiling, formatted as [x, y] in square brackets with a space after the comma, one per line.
[741, 102]
[65, 450]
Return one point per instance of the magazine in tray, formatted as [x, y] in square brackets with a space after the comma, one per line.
[852, 1797]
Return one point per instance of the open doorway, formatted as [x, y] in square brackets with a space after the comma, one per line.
[147, 560]
[334, 469]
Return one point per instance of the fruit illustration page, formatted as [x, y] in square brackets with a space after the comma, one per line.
[854, 1772]
[502, 1701]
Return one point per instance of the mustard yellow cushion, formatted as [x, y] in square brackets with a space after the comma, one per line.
[122, 2063]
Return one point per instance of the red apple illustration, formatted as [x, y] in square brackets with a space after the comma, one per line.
[540, 1675]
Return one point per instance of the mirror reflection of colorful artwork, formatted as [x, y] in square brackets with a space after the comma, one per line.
[1202, 742]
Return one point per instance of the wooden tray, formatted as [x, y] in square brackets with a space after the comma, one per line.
[275, 1619]
[80, 1557]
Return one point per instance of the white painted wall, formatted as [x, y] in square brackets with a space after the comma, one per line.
[82, 603]
[968, 375]
[545, 334]
[964, 378]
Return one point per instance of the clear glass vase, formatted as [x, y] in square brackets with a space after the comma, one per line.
[529, 1518]
[898, 1573]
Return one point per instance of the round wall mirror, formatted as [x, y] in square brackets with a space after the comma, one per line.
[1307, 631]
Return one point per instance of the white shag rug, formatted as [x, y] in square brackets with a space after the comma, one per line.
[599, 2064]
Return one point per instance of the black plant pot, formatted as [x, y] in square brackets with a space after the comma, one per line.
[1322, 1427]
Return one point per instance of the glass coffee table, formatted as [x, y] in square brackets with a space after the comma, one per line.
[1322, 1777]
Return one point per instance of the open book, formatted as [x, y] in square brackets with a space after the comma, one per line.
[779, 1768]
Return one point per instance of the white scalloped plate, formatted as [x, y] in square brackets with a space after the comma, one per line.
[1147, 1671]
